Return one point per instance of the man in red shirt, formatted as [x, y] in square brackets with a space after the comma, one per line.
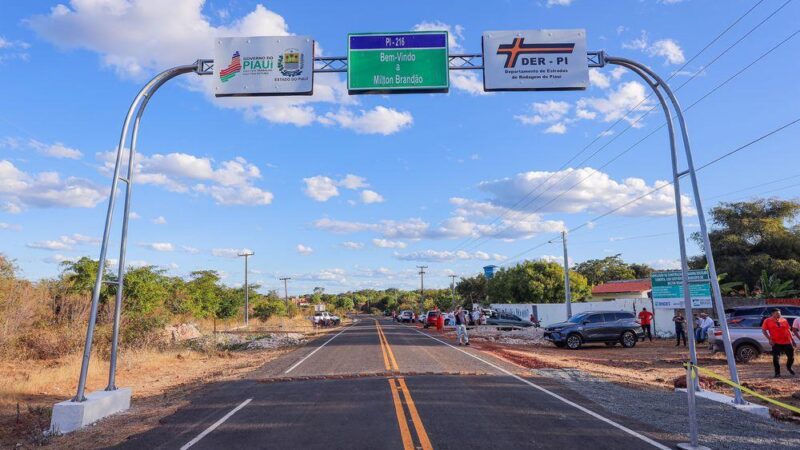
[776, 329]
[646, 318]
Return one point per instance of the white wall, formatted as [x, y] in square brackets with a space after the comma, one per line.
[549, 313]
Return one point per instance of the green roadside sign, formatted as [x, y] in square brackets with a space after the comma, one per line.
[668, 289]
[397, 62]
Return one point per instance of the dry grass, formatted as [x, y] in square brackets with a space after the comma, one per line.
[157, 379]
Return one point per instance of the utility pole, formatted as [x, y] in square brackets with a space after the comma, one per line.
[285, 289]
[453, 288]
[422, 283]
[567, 293]
[246, 255]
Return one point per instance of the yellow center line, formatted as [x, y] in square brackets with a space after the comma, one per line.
[400, 382]
[405, 434]
[421, 433]
[383, 349]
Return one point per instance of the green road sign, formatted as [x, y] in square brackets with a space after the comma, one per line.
[397, 62]
[668, 289]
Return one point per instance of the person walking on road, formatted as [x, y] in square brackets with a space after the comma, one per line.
[646, 318]
[680, 324]
[776, 329]
[461, 326]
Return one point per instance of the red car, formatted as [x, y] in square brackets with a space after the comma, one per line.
[431, 318]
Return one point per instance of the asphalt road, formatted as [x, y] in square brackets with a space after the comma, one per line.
[380, 385]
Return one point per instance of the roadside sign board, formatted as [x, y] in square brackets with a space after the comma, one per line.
[535, 60]
[397, 62]
[263, 65]
[668, 289]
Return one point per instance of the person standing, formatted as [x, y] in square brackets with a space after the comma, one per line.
[796, 327]
[680, 327]
[461, 326]
[776, 330]
[646, 318]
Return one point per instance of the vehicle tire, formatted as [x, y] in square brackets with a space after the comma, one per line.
[425, 326]
[610, 344]
[745, 353]
[628, 339]
[574, 341]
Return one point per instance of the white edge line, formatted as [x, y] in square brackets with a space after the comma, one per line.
[553, 394]
[294, 366]
[216, 424]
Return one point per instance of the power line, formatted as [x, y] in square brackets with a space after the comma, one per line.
[619, 155]
[626, 204]
[510, 209]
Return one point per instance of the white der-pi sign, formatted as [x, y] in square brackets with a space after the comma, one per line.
[535, 60]
[263, 65]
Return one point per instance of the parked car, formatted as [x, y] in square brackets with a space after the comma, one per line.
[324, 318]
[747, 340]
[430, 318]
[421, 318]
[406, 316]
[387, 313]
[762, 310]
[506, 319]
[610, 327]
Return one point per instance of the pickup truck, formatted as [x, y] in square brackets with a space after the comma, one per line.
[324, 318]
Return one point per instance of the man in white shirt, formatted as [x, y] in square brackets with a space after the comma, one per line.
[705, 324]
[796, 327]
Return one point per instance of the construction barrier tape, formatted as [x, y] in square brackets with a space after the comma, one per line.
[744, 389]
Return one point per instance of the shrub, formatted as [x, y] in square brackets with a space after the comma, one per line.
[266, 309]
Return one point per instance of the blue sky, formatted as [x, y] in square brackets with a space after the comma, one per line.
[348, 192]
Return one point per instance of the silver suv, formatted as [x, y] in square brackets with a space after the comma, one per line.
[747, 340]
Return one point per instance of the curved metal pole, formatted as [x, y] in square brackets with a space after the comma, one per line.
[162, 78]
[712, 269]
[691, 384]
[157, 81]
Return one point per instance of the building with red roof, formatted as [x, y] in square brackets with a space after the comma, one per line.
[622, 289]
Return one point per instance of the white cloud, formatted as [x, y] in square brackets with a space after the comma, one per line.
[13, 50]
[467, 81]
[57, 258]
[556, 128]
[64, 243]
[190, 250]
[599, 79]
[160, 246]
[618, 72]
[10, 226]
[229, 183]
[304, 250]
[558, 3]
[628, 96]
[161, 34]
[368, 196]
[320, 188]
[441, 256]
[134, 215]
[385, 243]
[665, 264]
[379, 120]
[669, 50]
[19, 190]
[160, 220]
[666, 48]
[351, 181]
[56, 150]
[353, 245]
[593, 191]
[455, 33]
[228, 252]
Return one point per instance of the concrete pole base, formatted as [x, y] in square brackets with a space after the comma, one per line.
[69, 416]
[688, 446]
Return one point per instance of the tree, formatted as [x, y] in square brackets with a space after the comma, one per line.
[772, 287]
[472, 289]
[204, 291]
[79, 276]
[535, 282]
[748, 238]
[268, 308]
[8, 269]
[641, 270]
[344, 303]
[599, 271]
[144, 290]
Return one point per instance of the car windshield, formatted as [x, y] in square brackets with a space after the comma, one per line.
[578, 318]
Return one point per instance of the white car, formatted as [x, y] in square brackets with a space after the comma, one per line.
[324, 318]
